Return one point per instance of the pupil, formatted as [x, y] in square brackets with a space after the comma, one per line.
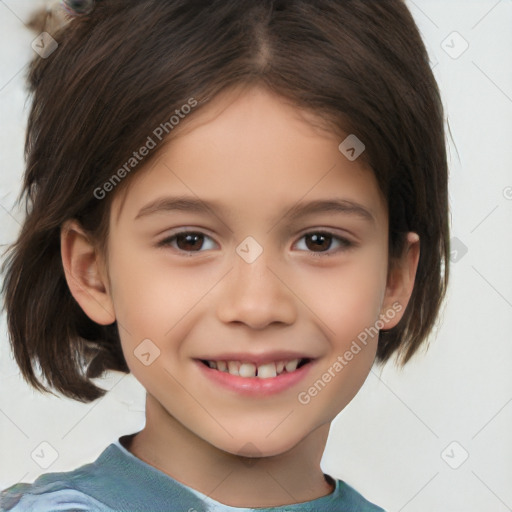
[192, 240]
[320, 241]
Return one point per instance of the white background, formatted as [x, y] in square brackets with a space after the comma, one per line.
[394, 442]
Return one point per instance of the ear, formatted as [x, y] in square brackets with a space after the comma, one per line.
[400, 282]
[86, 273]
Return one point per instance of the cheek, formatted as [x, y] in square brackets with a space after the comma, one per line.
[147, 293]
[156, 300]
[346, 299]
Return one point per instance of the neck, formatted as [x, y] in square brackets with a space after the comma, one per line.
[291, 477]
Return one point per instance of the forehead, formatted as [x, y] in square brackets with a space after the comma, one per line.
[249, 141]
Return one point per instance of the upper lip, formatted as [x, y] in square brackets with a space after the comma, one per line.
[257, 359]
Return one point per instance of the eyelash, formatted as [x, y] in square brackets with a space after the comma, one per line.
[344, 242]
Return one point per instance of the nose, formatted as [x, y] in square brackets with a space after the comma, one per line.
[256, 295]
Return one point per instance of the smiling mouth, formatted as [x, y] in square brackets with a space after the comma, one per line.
[262, 371]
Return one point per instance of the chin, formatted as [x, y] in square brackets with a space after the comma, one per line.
[259, 444]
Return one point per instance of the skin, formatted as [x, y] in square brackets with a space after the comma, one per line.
[257, 156]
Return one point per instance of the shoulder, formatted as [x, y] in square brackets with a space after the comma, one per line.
[47, 498]
[62, 492]
[353, 501]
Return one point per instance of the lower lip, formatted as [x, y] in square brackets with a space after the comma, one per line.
[254, 386]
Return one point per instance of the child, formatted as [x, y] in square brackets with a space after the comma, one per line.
[226, 199]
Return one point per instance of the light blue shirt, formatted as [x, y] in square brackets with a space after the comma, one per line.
[117, 481]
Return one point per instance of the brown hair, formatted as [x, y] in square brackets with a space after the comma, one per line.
[359, 65]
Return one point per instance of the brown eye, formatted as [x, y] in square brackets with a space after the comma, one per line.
[321, 243]
[188, 241]
[318, 242]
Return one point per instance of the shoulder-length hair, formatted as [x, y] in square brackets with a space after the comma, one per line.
[359, 65]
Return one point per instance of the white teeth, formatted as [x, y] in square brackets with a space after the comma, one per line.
[248, 370]
[267, 371]
[233, 368]
[264, 371]
[291, 366]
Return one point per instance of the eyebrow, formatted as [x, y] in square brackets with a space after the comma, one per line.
[299, 210]
[344, 206]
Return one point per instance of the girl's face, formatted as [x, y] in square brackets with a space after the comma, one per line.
[252, 239]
